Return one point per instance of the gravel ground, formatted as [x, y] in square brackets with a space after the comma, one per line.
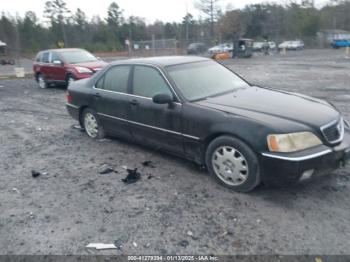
[180, 209]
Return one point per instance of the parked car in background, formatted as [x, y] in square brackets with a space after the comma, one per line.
[63, 66]
[338, 43]
[196, 49]
[292, 45]
[5, 58]
[259, 46]
[272, 45]
[225, 47]
[198, 109]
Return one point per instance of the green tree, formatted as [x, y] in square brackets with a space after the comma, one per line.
[114, 15]
[58, 13]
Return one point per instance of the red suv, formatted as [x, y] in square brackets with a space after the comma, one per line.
[62, 66]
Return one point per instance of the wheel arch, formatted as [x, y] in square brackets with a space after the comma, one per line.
[81, 110]
[215, 135]
[36, 75]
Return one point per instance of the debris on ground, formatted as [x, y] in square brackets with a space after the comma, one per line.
[134, 244]
[15, 190]
[105, 169]
[132, 177]
[184, 243]
[78, 127]
[31, 215]
[101, 246]
[103, 140]
[39, 129]
[125, 167]
[119, 243]
[190, 233]
[35, 173]
[148, 164]
[226, 233]
[237, 243]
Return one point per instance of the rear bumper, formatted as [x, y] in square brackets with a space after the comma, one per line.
[73, 111]
[294, 167]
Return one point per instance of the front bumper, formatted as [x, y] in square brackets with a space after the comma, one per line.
[290, 167]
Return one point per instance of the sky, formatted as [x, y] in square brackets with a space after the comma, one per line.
[151, 10]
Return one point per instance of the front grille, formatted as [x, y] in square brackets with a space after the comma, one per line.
[334, 132]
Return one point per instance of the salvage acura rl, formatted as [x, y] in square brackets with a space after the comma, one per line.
[199, 109]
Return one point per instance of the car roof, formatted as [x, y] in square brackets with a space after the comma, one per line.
[163, 61]
[62, 50]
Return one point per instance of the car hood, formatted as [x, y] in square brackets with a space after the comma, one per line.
[92, 65]
[260, 103]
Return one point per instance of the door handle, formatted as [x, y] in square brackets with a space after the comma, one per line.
[134, 102]
[97, 95]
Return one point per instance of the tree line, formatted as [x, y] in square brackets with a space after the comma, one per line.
[75, 29]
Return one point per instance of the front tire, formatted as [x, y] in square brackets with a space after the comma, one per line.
[69, 80]
[92, 125]
[233, 164]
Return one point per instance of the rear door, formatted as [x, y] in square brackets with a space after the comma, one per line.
[111, 100]
[151, 123]
[45, 65]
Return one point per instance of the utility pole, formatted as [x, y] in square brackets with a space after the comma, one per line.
[187, 35]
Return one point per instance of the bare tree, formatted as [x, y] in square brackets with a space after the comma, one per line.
[211, 9]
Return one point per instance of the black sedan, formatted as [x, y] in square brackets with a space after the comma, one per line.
[198, 109]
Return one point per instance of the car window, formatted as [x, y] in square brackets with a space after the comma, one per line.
[116, 79]
[45, 58]
[200, 80]
[148, 82]
[54, 57]
[38, 57]
[100, 82]
[78, 56]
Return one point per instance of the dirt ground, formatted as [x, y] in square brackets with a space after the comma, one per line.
[180, 209]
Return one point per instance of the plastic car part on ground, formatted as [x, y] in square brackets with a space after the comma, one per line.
[132, 177]
[100, 246]
[221, 56]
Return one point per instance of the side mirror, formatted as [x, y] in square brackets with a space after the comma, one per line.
[163, 98]
[57, 62]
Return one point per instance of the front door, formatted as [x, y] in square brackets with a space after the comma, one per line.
[111, 100]
[150, 123]
[58, 72]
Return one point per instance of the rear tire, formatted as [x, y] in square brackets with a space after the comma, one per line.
[233, 164]
[42, 81]
[92, 125]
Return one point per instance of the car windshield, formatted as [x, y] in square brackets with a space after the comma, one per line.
[201, 80]
[78, 56]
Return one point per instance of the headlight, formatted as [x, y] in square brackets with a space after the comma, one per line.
[83, 70]
[292, 142]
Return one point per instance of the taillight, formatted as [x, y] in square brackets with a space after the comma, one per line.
[69, 97]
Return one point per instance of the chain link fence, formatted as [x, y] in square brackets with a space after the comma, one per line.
[155, 47]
